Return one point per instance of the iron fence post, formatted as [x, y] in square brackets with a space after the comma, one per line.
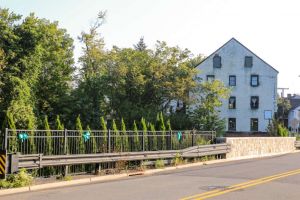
[193, 137]
[171, 140]
[143, 141]
[108, 140]
[66, 170]
[5, 138]
[65, 141]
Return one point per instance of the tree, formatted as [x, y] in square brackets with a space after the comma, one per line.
[80, 141]
[93, 144]
[117, 138]
[136, 137]
[206, 115]
[13, 143]
[154, 137]
[284, 106]
[103, 143]
[49, 142]
[140, 46]
[58, 124]
[145, 133]
[125, 142]
[41, 56]
[162, 129]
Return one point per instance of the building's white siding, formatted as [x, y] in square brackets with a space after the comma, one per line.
[233, 54]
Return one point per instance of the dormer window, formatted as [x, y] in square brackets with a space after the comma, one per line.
[248, 61]
[217, 61]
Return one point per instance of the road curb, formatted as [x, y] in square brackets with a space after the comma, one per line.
[119, 176]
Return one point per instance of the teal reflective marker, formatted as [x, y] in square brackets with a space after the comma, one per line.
[23, 136]
[86, 136]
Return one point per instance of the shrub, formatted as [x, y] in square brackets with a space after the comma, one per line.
[177, 160]
[21, 179]
[159, 164]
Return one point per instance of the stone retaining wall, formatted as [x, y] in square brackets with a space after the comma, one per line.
[250, 147]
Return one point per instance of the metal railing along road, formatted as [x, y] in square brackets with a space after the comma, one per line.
[61, 142]
[39, 160]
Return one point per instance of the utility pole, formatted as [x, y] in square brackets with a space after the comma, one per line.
[282, 91]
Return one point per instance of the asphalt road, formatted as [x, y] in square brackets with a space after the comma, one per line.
[272, 178]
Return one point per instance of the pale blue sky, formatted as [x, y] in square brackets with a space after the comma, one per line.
[270, 28]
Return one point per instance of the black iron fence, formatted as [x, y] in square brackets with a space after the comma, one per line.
[89, 142]
[62, 142]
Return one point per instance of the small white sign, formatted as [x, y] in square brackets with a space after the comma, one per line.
[268, 114]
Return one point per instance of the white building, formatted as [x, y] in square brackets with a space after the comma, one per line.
[253, 84]
[294, 113]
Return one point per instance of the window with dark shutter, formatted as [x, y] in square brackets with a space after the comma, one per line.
[254, 102]
[248, 61]
[254, 124]
[231, 124]
[217, 61]
[232, 103]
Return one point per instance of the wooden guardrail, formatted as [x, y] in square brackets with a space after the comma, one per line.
[297, 144]
[34, 161]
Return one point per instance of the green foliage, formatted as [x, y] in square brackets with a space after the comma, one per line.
[80, 135]
[13, 145]
[283, 131]
[153, 143]
[145, 133]
[117, 138]
[49, 142]
[284, 106]
[21, 179]
[103, 143]
[162, 129]
[136, 138]
[159, 164]
[275, 128]
[177, 160]
[40, 60]
[125, 142]
[93, 142]
[206, 116]
[58, 124]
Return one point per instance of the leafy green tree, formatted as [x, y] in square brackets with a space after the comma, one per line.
[284, 106]
[49, 145]
[154, 137]
[125, 141]
[103, 142]
[162, 128]
[39, 54]
[145, 133]
[80, 135]
[117, 138]
[58, 124]
[49, 142]
[136, 138]
[13, 143]
[206, 115]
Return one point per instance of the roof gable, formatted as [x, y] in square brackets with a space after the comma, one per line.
[243, 46]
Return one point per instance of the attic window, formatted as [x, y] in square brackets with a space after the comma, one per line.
[248, 61]
[217, 61]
